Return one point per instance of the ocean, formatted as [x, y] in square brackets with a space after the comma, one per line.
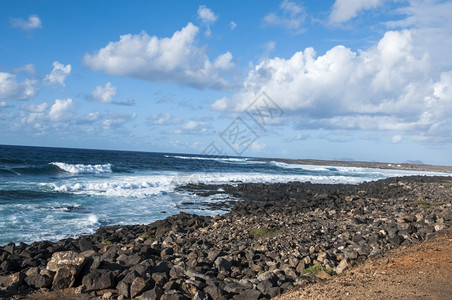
[55, 193]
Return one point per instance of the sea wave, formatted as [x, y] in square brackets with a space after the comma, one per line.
[83, 169]
[220, 159]
[153, 185]
[300, 166]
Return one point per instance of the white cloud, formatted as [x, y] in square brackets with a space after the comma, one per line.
[396, 139]
[232, 25]
[292, 17]
[196, 126]
[58, 74]
[345, 10]
[387, 87]
[104, 94]
[296, 138]
[164, 119]
[10, 88]
[3, 104]
[206, 15]
[33, 22]
[30, 69]
[61, 110]
[175, 59]
[116, 120]
[431, 25]
[35, 108]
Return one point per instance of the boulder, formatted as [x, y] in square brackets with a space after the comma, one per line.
[98, 280]
[248, 294]
[38, 281]
[66, 265]
[12, 283]
[223, 263]
[138, 286]
[153, 294]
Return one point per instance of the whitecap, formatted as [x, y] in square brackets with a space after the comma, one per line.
[83, 169]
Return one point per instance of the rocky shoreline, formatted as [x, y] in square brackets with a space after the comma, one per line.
[279, 237]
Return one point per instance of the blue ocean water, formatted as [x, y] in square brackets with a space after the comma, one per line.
[54, 193]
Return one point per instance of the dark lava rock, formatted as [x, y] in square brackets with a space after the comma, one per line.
[98, 280]
[38, 281]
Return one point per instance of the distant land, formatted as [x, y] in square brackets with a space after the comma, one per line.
[414, 162]
[408, 165]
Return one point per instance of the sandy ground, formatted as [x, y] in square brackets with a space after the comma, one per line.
[422, 271]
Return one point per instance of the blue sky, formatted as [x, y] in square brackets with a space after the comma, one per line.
[368, 80]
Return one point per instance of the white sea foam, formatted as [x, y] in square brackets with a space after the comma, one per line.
[151, 185]
[83, 169]
[300, 166]
[221, 159]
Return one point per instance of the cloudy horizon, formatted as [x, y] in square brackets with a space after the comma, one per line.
[367, 80]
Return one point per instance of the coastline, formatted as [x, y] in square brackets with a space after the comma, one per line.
[280, 236]
[366, 164]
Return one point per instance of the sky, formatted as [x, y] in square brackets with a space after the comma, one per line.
[366, 80]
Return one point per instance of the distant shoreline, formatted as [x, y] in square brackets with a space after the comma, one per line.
[364, 164]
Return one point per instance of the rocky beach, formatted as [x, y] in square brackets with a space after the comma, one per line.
[278, 237]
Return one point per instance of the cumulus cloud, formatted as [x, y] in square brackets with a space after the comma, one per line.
[10, 88]
[291, 17]
[33, 22]
[207, 17]
[61, 110]
[345, 10]
[104, 94]
[387, 87]
[176, 59]
[232, 25]
[58, 74]
[431, 25]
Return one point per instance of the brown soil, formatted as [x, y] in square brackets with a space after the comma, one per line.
[422, 271]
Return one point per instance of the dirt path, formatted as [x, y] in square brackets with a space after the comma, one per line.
[422, 271]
